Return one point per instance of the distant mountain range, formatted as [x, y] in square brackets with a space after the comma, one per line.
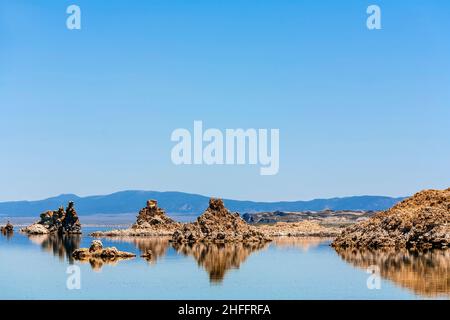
[177, 203]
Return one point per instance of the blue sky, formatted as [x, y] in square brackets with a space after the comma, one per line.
[91, 111]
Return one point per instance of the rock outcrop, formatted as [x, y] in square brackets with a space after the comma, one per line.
[96, 250]
[60, 221]
[218, 225]
[151, 221]
[9, 228]
[420, 222]
[335, 218]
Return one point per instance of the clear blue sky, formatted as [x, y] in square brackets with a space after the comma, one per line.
[92, 111]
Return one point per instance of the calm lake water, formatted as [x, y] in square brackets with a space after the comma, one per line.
[34, 267]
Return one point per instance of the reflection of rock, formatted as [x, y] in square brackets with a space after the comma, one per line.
[217, 259]
[60, 221]
[218, 225]
[157, 245]
[422, 222]
[60, 245]
[303, 243]
[151, 221]
[7, 230]
[298, 229]
[148, 255]
[425, 273]
[98, 263]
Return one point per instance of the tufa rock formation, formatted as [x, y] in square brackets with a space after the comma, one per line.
[60, 221]
[153, 217]
[420, 222]
[9, 228]
[151, 221]
[96, 250]
[218, 225]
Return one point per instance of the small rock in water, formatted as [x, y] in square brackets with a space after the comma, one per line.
[96, 250]
[9, 228]
[96, 245]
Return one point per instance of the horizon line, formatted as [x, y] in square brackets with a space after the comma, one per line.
[200, 195]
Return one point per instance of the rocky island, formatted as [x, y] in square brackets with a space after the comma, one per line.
[419, 222]
[151, 221]
[60, 221]
[218, 225]
[96, 250]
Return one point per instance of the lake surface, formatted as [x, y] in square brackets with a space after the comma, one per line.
[35, 267]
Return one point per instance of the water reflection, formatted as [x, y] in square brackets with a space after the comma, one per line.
[98, 263]
[61, 246]
[217, 259]
[425, 273]
[158, 246]
[302, 244]
[7, 234]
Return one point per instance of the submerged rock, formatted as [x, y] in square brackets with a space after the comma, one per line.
[151, 221]
[419, 222]
[218, 225]
[60, 221]
[96, 250]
